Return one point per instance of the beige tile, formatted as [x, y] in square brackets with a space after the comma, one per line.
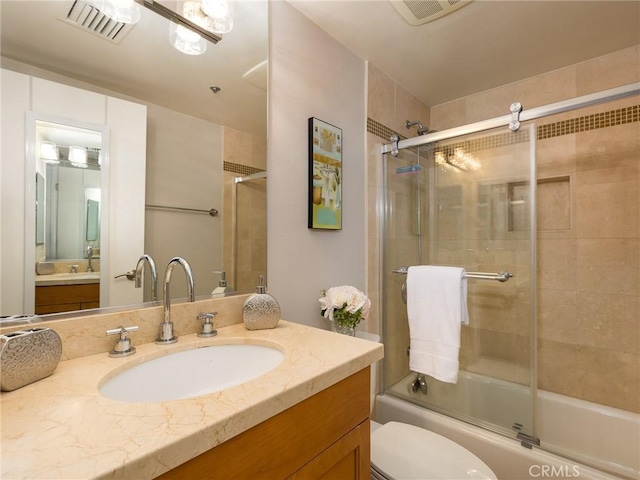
[609, 71]
[586, 372]
[448, 115]
[608, 266]
[409, 108]
[607, 210]
[380, 96]
[554, 204]
[491, 103]
[609, 321]
[557, 316]
[557, 264]
[547, 88]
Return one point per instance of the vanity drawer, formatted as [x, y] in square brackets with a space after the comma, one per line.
[65, 298]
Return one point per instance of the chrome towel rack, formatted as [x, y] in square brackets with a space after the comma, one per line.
[212, 211]
[503, 276]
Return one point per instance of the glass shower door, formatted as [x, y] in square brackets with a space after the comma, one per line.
[467, 202]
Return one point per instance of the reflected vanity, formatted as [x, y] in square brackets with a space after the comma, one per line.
[68, 195]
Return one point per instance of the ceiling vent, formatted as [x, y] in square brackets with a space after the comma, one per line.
[88, 18]
[419, 12]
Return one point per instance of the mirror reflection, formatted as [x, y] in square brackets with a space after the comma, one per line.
[197, 140]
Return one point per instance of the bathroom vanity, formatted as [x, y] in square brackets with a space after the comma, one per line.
[307, 417]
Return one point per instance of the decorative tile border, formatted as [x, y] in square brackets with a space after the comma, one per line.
[594, 121]
[240, 169]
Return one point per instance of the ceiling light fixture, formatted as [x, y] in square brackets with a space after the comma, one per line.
[125, 11]
[49, 152]
[78, 156]
[191, 42]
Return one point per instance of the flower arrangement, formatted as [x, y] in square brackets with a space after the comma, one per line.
[344, 307]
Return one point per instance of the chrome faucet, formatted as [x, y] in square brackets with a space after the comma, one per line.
[89, 257]
[166, 327]
[154, 275]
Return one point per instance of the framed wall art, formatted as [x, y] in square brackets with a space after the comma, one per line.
[325, 175]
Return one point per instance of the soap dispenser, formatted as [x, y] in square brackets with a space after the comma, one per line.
[222, 284]
[261, 310]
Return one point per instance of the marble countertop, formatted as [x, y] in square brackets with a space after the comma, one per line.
[68, 278]
[62, 427]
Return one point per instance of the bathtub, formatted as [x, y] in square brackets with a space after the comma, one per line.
[588, 441]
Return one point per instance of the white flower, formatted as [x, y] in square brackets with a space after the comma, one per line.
[345, 297]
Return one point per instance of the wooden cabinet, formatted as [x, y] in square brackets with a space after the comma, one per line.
[324, 437]
[66, 298]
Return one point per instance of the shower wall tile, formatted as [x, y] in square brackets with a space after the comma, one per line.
[593, 374]
[608, 321]
[410, 108]
[554, 204]
[548, 88]
[609, 71]
[608, 266]
[448, 115]
[557, 264]
[380, 96]
[608, 210]
[557, 315]
[489, 104]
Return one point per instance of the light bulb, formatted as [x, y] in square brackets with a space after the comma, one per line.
[186, 40]
[215, 8]
[125, 11]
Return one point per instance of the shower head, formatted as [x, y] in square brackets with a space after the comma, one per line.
[421, 129]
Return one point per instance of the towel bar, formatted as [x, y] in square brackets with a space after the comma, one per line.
[503, 276]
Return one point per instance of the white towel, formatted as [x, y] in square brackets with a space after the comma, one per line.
[437, 307]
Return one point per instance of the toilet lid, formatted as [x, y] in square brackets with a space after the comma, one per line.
[401, 451]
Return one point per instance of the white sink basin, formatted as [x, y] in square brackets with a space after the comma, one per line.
[191, 373]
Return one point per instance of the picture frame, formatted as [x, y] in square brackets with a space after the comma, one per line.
[325, 175]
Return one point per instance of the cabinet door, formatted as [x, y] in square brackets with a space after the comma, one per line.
[325, 434]
[348, 458]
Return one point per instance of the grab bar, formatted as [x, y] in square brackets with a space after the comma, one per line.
[503, 276]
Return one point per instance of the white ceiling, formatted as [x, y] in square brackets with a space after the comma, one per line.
[481, 46]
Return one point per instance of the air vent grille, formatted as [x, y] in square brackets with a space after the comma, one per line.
[88, 18]
[422, 9]
[418, 12]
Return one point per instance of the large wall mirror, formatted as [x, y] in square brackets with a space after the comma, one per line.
[205, 145]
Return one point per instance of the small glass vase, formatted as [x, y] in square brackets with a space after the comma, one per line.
[343, 329]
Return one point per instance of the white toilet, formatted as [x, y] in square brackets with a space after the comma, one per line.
[400, 451]
[405, 452]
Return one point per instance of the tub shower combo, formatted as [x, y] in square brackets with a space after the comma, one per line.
[493, 197]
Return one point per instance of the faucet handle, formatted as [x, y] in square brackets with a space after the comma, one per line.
[131, 275]
[207, 326]
[123, 347]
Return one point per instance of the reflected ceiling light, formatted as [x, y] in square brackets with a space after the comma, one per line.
[49, 152]
[125, 11]
[219, 13]
[78, 156]
[186, 40]
[457, 161]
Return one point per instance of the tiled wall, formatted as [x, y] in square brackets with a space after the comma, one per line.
[244, 154]
[588, 278]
